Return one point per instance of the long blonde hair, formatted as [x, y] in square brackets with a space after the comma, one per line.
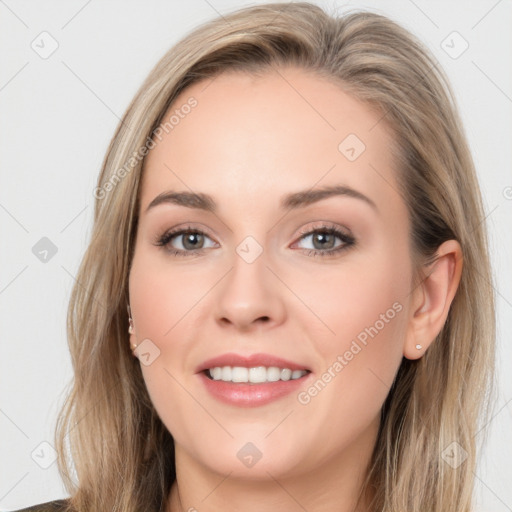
[123, 454]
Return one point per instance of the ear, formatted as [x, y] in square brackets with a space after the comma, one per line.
[131, 330]
[432, 299]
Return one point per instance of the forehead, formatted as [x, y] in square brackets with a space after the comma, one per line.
[255, 138]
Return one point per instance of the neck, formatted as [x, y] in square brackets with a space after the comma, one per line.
[335, 485]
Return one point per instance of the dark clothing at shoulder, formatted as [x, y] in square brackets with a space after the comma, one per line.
[50, 506]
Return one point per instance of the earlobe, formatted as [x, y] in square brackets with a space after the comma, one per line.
[433, 298]
[131, 329]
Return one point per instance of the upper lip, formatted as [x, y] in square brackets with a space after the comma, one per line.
[249, 361]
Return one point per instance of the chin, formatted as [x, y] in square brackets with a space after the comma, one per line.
[253, 458]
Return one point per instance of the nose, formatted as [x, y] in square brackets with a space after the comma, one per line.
[250, 296]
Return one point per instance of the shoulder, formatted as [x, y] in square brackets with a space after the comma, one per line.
[50, 506]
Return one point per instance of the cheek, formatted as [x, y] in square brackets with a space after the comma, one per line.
[163, 296]
[364, 311]
[170, 394]
[359, 300]
[162, 299]
[359, 361]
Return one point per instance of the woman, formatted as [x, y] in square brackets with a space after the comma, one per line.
[286, 299]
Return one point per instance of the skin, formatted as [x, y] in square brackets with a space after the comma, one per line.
[248, 142]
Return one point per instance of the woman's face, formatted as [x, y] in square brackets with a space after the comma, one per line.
[270, 273]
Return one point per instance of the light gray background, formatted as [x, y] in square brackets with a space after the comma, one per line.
[57, 117]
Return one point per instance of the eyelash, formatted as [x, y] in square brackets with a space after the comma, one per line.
[329, 229]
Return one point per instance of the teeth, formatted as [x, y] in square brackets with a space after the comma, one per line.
[273, 374]
[296, 374]
[216, 373]
[255, 375]
[239, 374]
[258, 374]
[286, 374]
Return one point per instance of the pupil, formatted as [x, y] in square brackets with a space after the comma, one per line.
[190, 239]
[323, 236]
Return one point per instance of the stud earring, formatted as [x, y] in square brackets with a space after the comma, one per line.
[419, 347]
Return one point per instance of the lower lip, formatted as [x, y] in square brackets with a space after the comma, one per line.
[251, 395]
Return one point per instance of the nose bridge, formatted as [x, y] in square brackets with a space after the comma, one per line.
[250, 291]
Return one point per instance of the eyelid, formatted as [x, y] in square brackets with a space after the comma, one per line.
[180, 228]
[325, 225]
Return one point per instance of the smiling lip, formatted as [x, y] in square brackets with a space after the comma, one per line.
[232, 359]
[249, 394]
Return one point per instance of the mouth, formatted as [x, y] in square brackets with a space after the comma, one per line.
[253, 375]
[253, 380]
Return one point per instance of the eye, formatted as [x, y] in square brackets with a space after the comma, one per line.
[324, 238]
[191, 240]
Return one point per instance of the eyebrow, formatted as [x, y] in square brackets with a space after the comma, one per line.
[291, 201]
